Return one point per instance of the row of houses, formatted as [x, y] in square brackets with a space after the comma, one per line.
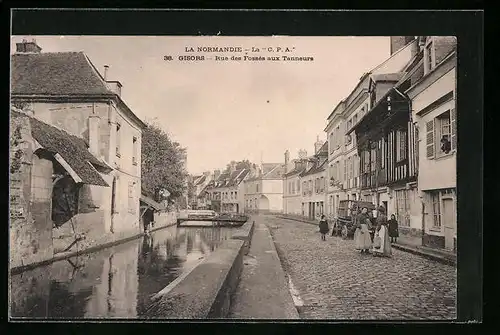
[75, 156]
[392, 141]
[250, 189]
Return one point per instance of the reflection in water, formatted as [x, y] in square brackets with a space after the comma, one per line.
[117, 282]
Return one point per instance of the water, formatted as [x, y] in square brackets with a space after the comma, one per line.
[116, 282]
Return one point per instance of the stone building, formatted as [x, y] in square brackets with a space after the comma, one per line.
[314, 183]
[47, 182]
[264, 189]
[434, 114]
[65, 90]
[344, 162]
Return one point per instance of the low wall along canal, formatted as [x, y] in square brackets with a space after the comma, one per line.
[121, 281]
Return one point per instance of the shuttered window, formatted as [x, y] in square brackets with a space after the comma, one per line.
[453, 129]
[430, 139]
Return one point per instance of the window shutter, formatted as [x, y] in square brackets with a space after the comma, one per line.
[430, 139]
[453, 129]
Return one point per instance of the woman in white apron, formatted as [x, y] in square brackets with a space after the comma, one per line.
[381, 241]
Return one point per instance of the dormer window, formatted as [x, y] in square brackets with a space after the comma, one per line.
[430, 61]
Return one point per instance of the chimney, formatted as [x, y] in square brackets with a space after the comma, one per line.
[302, 154]
[216, 174]
[398, 42]
[28, 47]
[94, 136]
[106, 67]
[318, 145]
[287, 160]
[206, 173]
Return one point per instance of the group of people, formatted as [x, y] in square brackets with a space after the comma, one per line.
[370, 236]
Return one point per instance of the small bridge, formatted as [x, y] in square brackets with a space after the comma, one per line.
[216, 219]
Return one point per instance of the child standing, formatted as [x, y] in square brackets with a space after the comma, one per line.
[323, 227]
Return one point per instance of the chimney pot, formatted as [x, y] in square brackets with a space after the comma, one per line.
[106, 67]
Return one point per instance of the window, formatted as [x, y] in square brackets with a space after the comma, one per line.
[330, 204]
[322, 189]
[402, 207]
[131, 200]
[355, 119]
[114, 207]
[401, 145]
[337, 132]
[436, 210]
[373, 159]
[257, 187]
[429, 57]
[441, 138]
[330, 143]
[310, 187]
[344, 164]
[351, 167]
[118, 139]
[134, 151]
[235, 195]
[444, 133]
[348, 139]
[304, 188]
[298, 186]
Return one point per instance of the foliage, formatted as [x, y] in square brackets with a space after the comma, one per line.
[190, 189]
[15, 163]
[243, 164]
[163, 163]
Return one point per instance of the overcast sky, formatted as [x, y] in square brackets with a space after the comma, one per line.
[223, 111]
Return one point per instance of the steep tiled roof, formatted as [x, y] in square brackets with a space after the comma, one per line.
[222, 180]
[71, 148]
[317, 166]
[237, 176]
[266, 167]
[276, 173]
[200, 180]
[59, 73]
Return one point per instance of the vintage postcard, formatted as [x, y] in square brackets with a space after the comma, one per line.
[237, 178]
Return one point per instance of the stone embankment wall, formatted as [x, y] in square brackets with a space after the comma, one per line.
[93, 239]
[205, 292]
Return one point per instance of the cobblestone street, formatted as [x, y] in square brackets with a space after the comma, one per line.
[337, 282]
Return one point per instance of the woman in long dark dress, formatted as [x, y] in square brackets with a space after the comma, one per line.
[323, 227]
[393, 229]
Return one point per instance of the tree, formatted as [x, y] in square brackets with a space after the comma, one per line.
[163, 163]
[243, 164]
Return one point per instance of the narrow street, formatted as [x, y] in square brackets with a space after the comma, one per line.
[337, 282]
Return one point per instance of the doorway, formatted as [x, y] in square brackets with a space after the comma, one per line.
[384, 203]
[449, 223]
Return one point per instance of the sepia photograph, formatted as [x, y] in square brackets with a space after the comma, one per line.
[233, 177]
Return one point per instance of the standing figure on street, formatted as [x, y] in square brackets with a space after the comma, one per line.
[393, 229]
[382, 243]
[362, 238]
[323, 227]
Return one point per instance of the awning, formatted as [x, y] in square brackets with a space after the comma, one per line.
[69, 150]
[151, 203]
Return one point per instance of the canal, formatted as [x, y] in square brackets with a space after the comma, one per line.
[116, 282]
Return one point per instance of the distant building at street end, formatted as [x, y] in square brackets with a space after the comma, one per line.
[200, 183]
[66, 91]
[264, 189]
[226, 192]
